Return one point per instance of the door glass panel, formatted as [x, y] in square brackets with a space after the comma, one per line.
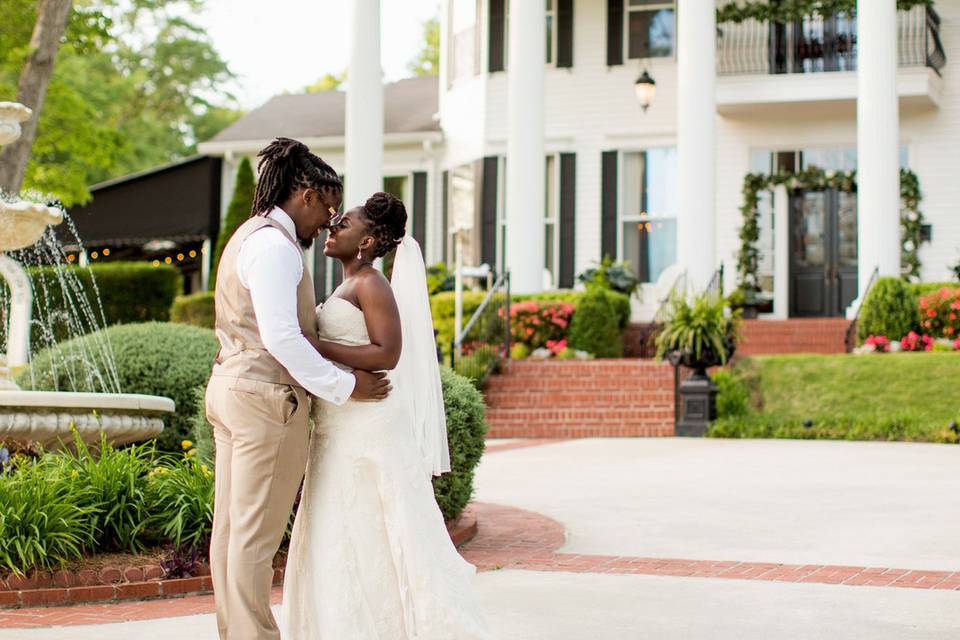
[810, 247]
[847, 230]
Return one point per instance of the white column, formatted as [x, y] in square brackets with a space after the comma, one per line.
[525, 153]
[364, 116]
[878, 135]
[696, 140]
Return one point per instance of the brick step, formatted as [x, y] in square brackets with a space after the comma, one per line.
[508, 399]
[625, 384]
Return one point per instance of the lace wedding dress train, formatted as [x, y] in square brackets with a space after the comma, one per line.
[370, 558]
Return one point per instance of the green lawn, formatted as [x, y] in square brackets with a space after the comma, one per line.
[906, 396]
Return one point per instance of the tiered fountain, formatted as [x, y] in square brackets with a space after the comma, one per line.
[48, 417]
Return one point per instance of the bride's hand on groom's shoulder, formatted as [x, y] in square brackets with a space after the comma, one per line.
[370, 386]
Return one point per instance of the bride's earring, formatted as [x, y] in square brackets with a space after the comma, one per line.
[359, 254]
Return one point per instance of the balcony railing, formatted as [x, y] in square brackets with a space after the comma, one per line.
[816, 44]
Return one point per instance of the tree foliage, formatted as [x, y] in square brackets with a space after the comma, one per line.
[237, 212]
[427, 61]
[135, 85]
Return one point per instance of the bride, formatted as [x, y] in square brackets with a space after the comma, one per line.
[370, 558]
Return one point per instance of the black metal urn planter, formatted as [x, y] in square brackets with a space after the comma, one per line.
[698, 393]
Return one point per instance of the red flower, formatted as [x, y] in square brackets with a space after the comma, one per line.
[931, 313]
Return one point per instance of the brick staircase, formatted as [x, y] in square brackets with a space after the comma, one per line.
[577, 399]
[797, 335]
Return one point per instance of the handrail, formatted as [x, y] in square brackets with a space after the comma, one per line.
[658, 316]
[937, 58]
[483, 305]
[849, 338]
[716, 281]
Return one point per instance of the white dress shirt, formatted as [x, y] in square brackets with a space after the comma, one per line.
[271, 267]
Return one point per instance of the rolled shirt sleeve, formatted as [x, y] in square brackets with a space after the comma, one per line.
[271, 268]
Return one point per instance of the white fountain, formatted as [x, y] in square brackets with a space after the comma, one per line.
[48, 417]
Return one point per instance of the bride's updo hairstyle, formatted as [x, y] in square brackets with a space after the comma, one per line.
[387, 218]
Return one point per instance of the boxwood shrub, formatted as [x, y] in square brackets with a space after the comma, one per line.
[466, 428]
[195, 309]
[595, 325]
[154, 358]
[128, 291]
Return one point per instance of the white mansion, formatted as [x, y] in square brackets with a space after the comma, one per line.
[534, 145]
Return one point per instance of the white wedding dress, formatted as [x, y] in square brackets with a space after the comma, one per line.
[370, 557]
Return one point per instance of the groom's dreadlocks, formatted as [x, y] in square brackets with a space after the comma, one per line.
[287, 165]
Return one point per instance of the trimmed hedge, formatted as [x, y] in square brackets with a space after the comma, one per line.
[466, 428]
[161, 359]
[443, 306]
[892, 307]
[195, 309]
[595, 326]
[129, 292]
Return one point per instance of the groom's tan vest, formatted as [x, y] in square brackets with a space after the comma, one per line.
[242, 353]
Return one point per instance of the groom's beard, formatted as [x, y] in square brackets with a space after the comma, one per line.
[306, 244]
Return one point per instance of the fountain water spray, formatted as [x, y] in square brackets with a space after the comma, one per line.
[47, 417]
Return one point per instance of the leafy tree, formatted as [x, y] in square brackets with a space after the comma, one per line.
[427, 61]
[237, 212]
[329, 82]
[136, 85]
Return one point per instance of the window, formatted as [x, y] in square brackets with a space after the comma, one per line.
[463, 42]
[648, 218]
[462, 216]
[650, 29]
[551, 223]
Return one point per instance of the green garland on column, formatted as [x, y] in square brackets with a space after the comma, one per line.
[793, 10]
[816, 179]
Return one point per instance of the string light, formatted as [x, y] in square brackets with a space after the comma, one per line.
[94, 255]
[193, 254]
[156, 263]
[70, 258]
[179, 257]
[106, 252]
[168, 260]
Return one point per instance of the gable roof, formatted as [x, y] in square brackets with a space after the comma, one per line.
[409, 107]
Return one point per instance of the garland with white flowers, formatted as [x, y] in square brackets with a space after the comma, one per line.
[816, 179]
[794, 10]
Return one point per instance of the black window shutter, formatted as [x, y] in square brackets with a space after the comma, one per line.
[420, 208]
[564, 33]
[608, 205]
[495, 59]
[445, 215]
[488, 212]
[568, 218]
[614, 32]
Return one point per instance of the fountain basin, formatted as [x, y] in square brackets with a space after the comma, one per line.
[24, 223]
[47, 417]
[11, 115]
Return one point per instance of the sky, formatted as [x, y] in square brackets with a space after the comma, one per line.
[283, 45]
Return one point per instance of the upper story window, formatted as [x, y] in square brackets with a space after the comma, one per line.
[464, 51]
[650, 26]
[551, 27]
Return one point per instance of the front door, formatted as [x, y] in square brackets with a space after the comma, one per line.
[823, 252]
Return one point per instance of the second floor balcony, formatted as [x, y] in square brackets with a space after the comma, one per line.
[816, 59]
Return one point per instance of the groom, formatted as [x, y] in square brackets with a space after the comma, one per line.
[258, 396]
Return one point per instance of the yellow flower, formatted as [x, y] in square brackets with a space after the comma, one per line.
[205, 469]
[186, 444]
[191, 453]
[159, 471]
[74, 474]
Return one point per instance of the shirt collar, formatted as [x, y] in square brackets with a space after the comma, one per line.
[281, 216]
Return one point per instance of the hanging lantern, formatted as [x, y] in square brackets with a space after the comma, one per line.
[646, 89]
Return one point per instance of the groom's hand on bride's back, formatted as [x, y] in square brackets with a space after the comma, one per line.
[370, 386]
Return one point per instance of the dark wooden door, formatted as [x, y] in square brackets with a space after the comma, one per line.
[823, 252]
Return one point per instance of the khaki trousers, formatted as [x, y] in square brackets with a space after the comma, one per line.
[261, 437]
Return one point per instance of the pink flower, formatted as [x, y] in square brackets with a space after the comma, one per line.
[931, 313]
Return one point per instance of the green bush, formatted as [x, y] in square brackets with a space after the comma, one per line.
[595, 328]
[238, 211]
[466, 428]
[890, 310]
[128, 292]
[195, 309]
[733, 396]
[615, 276]
[161, 359]
[114, 496]
[42, 524]
[181, 501]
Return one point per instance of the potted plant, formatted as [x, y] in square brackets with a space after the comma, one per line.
[698, 334]
[750, 302]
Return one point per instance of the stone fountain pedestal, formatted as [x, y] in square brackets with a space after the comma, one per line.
[52, 418]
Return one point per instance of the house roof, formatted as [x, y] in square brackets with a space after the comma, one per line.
[409, 107]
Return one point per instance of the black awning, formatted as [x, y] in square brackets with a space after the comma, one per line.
[178, 202]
